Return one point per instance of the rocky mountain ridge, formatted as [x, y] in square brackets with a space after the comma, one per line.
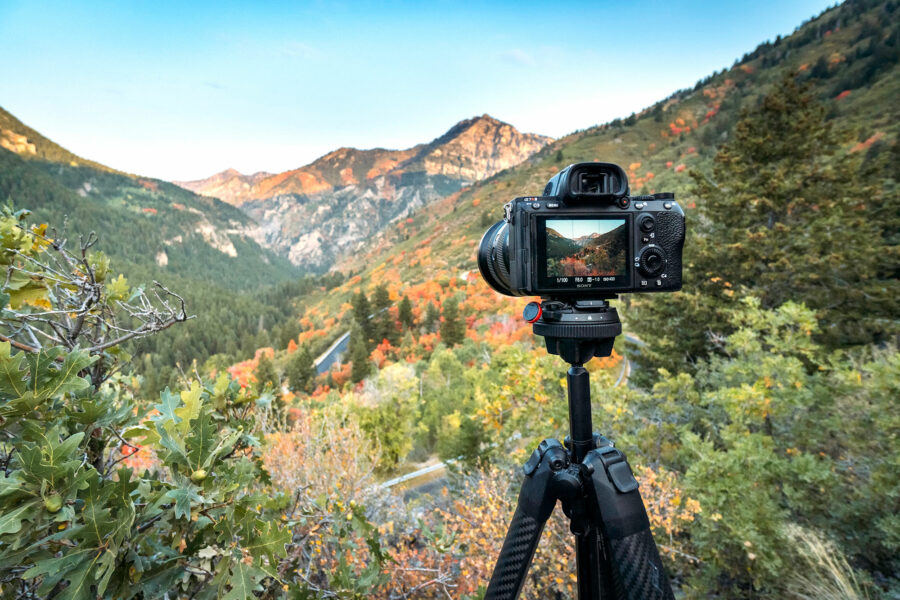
[327, 209]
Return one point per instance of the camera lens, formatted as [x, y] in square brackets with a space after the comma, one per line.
[493, 257]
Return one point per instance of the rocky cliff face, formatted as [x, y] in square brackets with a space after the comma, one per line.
[229, 185]
[327, 209]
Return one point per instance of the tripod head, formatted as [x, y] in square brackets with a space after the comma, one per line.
[576, 330]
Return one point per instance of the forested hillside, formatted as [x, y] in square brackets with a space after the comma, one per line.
[757, 407]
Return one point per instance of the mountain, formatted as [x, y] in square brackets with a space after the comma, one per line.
[328, 208]
[230, 185]
[151, 226]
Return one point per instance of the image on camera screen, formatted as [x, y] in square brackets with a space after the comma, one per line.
[586, 247]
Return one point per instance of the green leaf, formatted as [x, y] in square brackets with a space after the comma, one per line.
[201, 441]
[244, 581]
[270, 541]
[12, 375]
[11, 520]
[166, 407]
[183, 495]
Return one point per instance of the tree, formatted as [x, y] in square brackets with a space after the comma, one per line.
[266, 375]
[301, 370]
[453, 328]
[362, 313]
[384, 327]
[382, 298]
[432, 316]
[785, 215]
[359, 356]
[405, 313]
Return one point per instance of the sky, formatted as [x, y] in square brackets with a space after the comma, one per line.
[181, 90]
[576, 228]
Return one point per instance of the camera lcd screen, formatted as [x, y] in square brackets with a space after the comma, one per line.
[583, 253]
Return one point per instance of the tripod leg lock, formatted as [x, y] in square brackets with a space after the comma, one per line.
[617, 469]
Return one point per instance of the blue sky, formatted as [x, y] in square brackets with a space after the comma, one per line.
[183, 90]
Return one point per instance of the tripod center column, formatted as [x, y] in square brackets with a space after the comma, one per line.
[581, 430]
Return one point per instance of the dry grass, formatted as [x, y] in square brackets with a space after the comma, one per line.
[826, 574]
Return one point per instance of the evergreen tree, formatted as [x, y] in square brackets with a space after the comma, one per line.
[267, 375]
[432, 316]
[785, 215]
[453, 328]
[359, 356]
[405, 313]
[384, 325]
[301, 370]
[382, 299]
[362, 313]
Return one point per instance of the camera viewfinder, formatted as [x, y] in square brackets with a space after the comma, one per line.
[593, 184]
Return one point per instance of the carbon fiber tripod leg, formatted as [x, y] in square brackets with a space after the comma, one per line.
[537, 498]
[632, 557]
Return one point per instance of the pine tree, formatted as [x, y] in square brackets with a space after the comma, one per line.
[301, 370]
[384, 325]
[359, 356]
[382, 299]
[362, 313]
[405, 314]
[785, 215]
[432, 316]
[267, 375]
[453, 328]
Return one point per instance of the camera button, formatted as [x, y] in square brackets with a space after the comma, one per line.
[639, 205]
[553, 205]
[535, 205]
[667, 205]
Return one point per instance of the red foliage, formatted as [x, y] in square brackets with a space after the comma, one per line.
[149, 211]
[842, 95]
[680, 168]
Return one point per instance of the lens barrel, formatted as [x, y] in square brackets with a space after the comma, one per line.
[493, 257]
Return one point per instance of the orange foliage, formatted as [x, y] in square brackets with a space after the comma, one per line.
[680, 168]
[842, 95]
[865, 145]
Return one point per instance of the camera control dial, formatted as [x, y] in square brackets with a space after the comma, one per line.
[651, 261]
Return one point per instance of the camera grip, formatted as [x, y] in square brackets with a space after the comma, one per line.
[518, 549]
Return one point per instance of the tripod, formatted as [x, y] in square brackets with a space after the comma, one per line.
[615, 554]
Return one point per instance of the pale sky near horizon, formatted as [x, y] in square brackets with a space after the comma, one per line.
[184, 90]
[576, 228]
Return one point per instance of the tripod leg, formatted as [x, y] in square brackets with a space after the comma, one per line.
[636, 570]
[536, 501]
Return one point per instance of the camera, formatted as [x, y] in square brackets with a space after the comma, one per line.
[585, 237]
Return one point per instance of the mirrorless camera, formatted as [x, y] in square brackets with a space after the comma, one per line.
[585, 237]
